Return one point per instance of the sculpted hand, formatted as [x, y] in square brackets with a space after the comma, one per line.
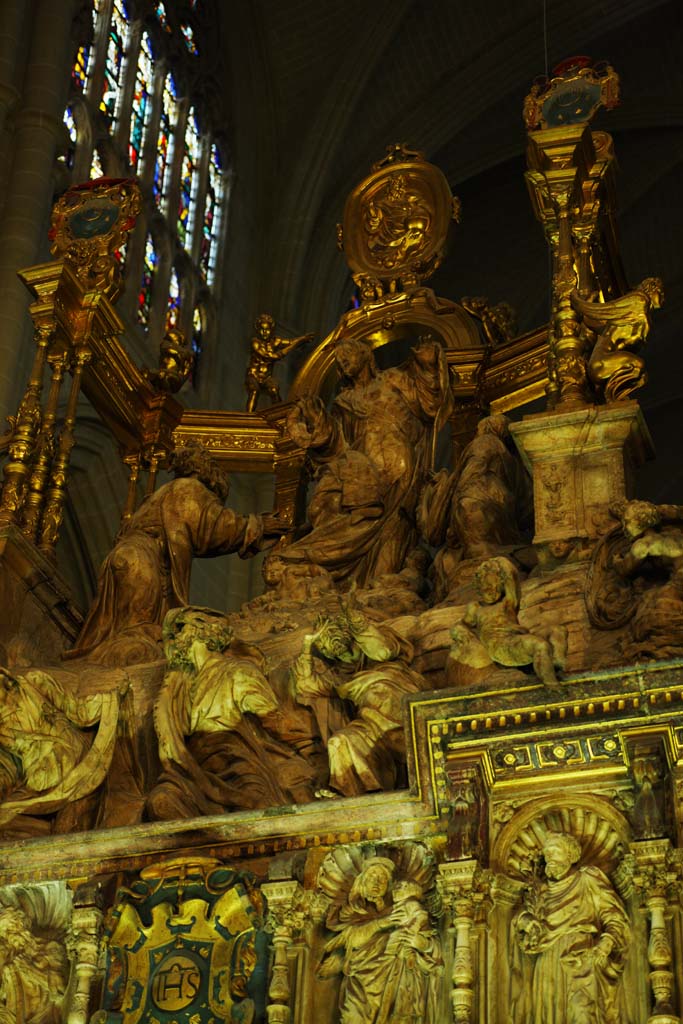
[331, 965]
[601, 953]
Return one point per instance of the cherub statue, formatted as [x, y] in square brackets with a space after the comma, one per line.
[490, 631]
[49, 763]
[266, 349]
[219, 727]
[366, 664]
[176, 360]
[570, 940]
[619, 324]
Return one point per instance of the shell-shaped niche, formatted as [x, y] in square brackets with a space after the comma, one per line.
[601, 830]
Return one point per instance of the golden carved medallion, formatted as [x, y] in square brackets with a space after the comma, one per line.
[396, 223]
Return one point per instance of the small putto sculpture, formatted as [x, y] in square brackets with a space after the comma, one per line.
[266, 349]
[176, 360]
[490, 632]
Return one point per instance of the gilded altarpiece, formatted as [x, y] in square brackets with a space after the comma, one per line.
[434, 771]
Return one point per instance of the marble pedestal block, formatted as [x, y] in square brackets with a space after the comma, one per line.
[581, 462]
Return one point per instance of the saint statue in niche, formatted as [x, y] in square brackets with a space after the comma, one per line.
[570, 941]
[385, 948]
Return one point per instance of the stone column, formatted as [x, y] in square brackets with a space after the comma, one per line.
[285, 918]
[84, 943]
[464, 890]
[24, 224]
[655, 881]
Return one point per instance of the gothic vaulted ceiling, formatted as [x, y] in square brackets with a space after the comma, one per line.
[317, 89]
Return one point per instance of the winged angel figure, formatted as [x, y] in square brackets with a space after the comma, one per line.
[619, 324]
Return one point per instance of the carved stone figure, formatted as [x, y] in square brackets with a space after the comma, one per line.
[371, 455]
[656, 550]
[48, 761]
[266, 349]
[148, 570]
[385, 947]
[365, 664]
[570, 940]
[479, 510]
[34, 970]
[220, 727]
[620, 324]
[636, 579]
[490, 631]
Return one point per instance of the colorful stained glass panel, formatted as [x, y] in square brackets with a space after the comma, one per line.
[173, 300]
[188, 182]
[167, 122]
[212, 216]
[118, 30]
[148, 270]
[142, 98]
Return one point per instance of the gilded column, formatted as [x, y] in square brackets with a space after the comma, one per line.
[45, 450]
[25, 429]
[54, 506]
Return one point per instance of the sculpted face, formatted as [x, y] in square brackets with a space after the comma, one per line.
[351, 357]
[639, 516]
[376, 880]
[558, 861]
[264, 327]
[490, 586]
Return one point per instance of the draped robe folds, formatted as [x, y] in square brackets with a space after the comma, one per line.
[367, 751]
[557, 980]
[214, 756]
[148, 570]
[42, 725]
[363, 509]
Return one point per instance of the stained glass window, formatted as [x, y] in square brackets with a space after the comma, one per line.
[162, 17]
[141, 102]
[118, 28]
[188, 36]
[79, 73]
[167, 121]
[72, 129]
[96, 169]
[138, 88]
[188, 181]
[149, 267]
[173, 300]
[197, 335]
[212, 211]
